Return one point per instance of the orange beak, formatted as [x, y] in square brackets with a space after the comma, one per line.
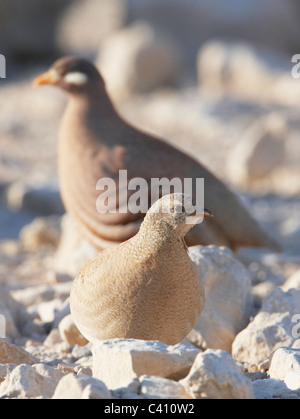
[46, 78]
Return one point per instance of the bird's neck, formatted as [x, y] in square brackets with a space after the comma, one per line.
[158, 241]
[96, 103]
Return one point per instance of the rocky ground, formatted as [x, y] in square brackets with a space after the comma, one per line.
[244, 125]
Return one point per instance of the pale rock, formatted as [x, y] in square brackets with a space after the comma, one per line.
[227, 286]
[247, 72]
[193, 22]
[47, 310]
[26, 382]
[10, 314]
[292, 282]
[148, 60]
[259, 151]
[70, 333]
[270, 329]
[78, 30]
[216, 375]
[129, 390]
[285, 366]
[272, 389]
[292, 381]
[73, 251]
[117, 361]
[53, 339]
[12, 354]
[73, 386]
[35, 295]
[41, 232]
[42, 199]
[153, 387]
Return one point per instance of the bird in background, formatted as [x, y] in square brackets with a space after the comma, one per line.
[146, 287]
[95, 142]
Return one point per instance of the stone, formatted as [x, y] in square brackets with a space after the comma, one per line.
[246, 72]
[285, 366]
[270, 329]
[73, 386]
[292, 282]
[78, 31]
[10, 314]
[137, 50]
[43, 199]
[259, 151]
[193, 22]
[35, 295]
[12, 354]
[117, 361]
[272, 389]
[73, 251]
[70, 333]
[161, 388]
[227, 286]
[215, 375]
[41, 232]
[27, 382]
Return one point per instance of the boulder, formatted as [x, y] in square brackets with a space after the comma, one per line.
[41, 232]
[285, 366]
[117, 361]
[13, 314]
[12, 354]
[161, 388]
[215, 375]
[272, 389]
[27, 382]
[193, 22]
[78, 30]
[70, 333]
[270, 329]
[148, 60]
[259, 151]
[73, 386]
[227, 286]
[247, 72]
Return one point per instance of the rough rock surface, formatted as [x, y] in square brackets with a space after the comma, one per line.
[227, 307]
[271, 328]
[215, 375]
[119, 360]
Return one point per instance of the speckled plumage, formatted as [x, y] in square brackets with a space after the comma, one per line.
[145, 288]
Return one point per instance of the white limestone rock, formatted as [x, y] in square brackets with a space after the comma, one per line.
[227, 286]
[216, 375]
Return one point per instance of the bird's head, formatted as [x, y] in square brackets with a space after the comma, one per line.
[175, 214]
[74, 75]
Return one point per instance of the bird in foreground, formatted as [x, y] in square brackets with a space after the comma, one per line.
[96, 143]
[147, 287]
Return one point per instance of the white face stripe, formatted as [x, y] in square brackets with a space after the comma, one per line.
[76, 78]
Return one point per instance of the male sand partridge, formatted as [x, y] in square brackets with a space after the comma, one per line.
[96, 143]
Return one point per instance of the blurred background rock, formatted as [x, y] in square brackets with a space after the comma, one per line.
[213, 77]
